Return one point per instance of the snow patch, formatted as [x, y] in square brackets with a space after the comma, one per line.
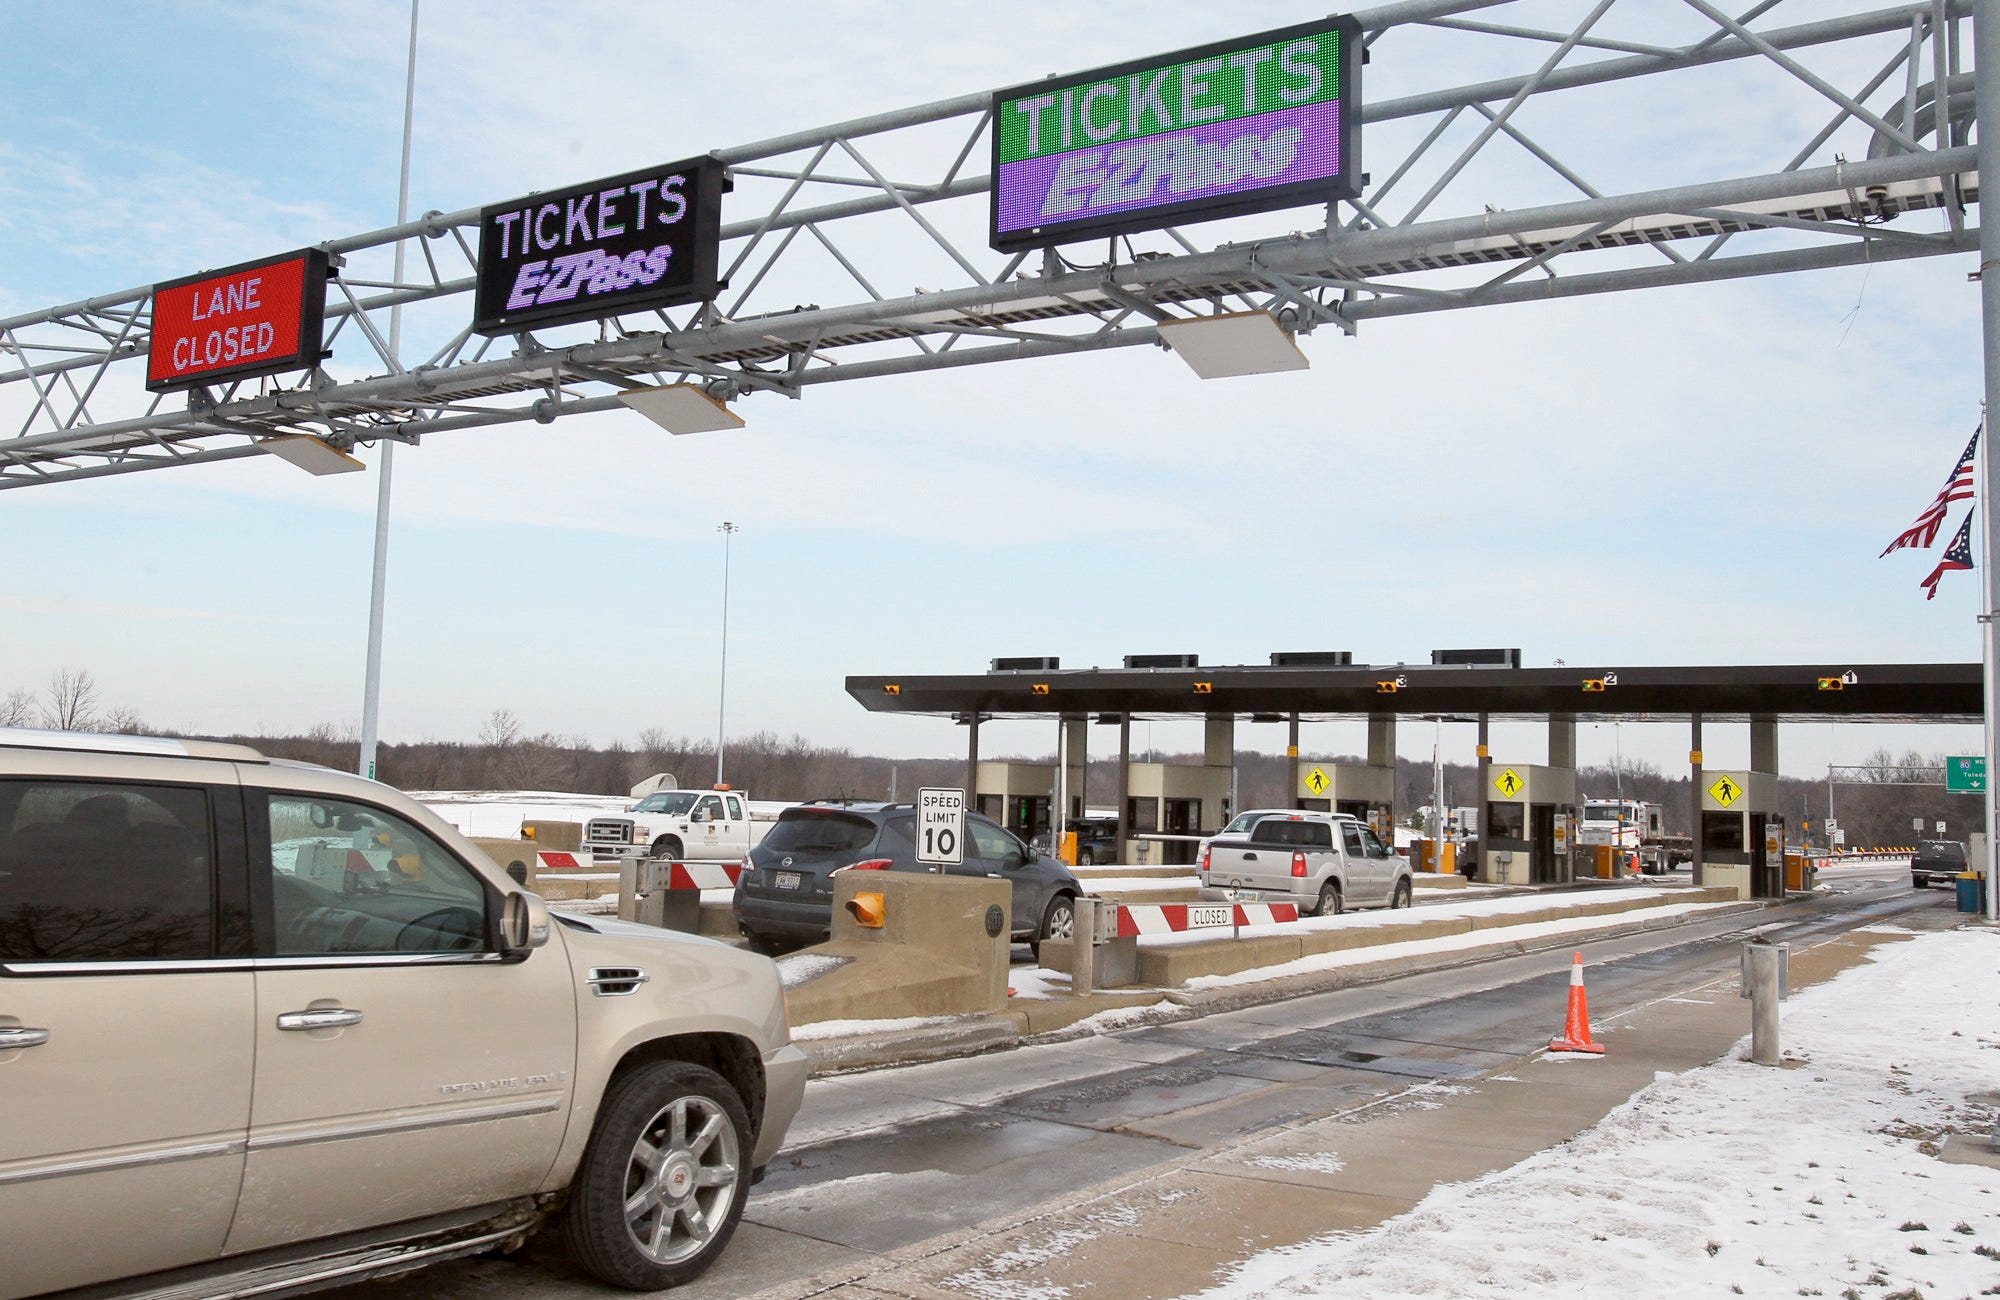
[1732, 1178]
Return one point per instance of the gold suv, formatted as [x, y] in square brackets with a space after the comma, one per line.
[266, 1026]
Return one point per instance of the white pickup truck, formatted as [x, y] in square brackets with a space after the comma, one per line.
[1324, 862]
[681, 825]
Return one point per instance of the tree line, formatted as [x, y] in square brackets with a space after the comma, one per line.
[506, 755]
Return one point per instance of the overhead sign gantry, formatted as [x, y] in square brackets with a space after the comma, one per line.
[800, 238]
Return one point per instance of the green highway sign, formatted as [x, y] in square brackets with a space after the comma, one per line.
[1965, 774]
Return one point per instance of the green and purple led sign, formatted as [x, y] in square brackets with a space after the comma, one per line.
[1260, 122]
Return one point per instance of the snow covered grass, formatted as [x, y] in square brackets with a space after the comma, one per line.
[1818, 1179]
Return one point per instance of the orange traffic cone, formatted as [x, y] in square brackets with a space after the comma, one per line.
[1632, 865]
[1576, 1025]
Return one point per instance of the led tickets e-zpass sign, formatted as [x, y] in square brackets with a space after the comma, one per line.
[1246, 125]
[645, 239]
[255, 319]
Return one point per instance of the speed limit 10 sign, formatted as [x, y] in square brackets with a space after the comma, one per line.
[941, 827]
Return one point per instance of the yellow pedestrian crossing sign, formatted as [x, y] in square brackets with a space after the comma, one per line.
[1509, 783]
[1317, 781]
[1725, 791]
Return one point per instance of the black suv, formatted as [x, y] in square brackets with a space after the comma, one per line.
[1936, 860]
[784, 898]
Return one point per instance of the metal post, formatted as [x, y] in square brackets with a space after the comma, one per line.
[1764, 985]
[371, 685]
[727, 529]
[1292, 764]
[1124, 787]
[1083, 948]
[1485, 763]
[972, 762]
[1694, 797]
[1986, 88]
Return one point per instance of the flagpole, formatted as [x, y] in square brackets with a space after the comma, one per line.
[1986, 93]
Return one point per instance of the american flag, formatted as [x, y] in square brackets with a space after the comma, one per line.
[1956, 556]
[1957, 488]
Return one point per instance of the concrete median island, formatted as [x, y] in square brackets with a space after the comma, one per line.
[1193, 972]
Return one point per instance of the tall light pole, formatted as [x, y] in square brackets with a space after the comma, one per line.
[371, 687]
[722, 685]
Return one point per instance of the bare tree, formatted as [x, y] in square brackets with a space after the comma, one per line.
[18, 709]
[70, 700]
[501, 729]
[124, 721]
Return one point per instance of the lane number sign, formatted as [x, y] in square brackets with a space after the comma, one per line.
[940, 827]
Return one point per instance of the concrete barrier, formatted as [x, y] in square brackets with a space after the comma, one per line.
[942, 950]
[1169, 965]
[515, 857]
[562, 836]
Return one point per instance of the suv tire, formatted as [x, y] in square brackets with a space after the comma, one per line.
[675, 1138]
[1087, 858]
[667, 848]
[1330, 901]
[1059, 922]
[1401, 897]
[1920, 882]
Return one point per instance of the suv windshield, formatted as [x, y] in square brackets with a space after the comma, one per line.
[819, 832]
[676, 803]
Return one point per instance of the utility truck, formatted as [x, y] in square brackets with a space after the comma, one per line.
[680, 825]
[1632, 826]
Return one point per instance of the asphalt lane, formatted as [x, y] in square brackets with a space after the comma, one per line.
[891, 1158]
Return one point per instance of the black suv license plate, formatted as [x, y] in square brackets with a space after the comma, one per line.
[786, 880]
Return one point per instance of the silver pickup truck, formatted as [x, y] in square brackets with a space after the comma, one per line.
[1324, 862]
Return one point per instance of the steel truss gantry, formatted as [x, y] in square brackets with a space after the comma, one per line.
[1895, 141]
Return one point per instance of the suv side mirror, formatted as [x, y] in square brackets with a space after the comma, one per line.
[524, 923]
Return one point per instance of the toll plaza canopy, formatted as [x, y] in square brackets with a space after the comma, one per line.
[1824, 692]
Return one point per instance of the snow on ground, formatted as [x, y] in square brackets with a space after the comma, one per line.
[1139, 884]
[1819, 1179]
[850, 1028]
[498, 814]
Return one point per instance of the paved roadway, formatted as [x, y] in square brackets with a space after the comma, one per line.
[884, 1160]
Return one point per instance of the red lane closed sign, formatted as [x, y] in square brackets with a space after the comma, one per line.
[255, 319]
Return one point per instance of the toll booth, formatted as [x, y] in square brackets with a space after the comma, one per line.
[1173, 799]
[1363, 789]
[1524, 828]
[1742, 844]
[1016, 795]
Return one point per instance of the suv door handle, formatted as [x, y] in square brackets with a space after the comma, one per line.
[12, 1038]
[330, 1018]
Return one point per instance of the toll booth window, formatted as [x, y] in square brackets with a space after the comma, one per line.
[1722, 832]
[1507, 821]
[1144, 814]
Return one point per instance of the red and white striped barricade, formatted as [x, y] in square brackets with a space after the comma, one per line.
[1171, 918]
[545, 861]
[703, 875]
[668, 894]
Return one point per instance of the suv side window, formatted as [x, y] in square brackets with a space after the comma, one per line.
[348, 878]
[1350, 836]
[735, 808]
[105, 872]
[1376, 849]
[990, 842]
[708, 807]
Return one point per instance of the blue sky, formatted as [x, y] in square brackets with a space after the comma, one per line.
[1696, 475]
